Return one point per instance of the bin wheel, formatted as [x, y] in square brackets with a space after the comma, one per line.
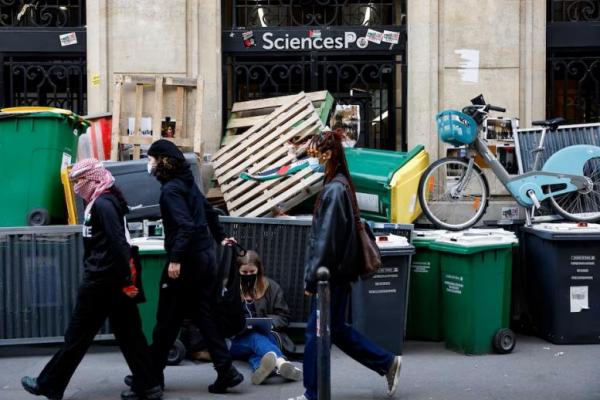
[177, 353]
[504, 341]
[38, 217]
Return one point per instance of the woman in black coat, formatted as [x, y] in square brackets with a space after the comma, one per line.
[333, 243]
[188, 286]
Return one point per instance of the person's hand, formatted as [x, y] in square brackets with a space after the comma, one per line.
[174, 270]
[131, 291]
[307, 293]
[230, 241]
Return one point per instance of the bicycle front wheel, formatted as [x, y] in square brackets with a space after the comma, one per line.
[583, 205]
[452, 196]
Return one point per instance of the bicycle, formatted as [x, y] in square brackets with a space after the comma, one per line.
[454, 192]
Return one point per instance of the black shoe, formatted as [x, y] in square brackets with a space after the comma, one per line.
[226, 380]
[154, 393]
[30, 384]
[129, 381]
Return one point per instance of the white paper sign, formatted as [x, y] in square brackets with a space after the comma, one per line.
[391, 37]
[68, 39]
[469, 66]
[367, 201]
[374, 36]
[579, 298]
[66, 160]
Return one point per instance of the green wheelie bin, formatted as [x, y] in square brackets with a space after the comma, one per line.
[36, 143]
[153, 258]
[425, 299]
[476, 287]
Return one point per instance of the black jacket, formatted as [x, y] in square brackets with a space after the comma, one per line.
[187, 216]
[273, 305]
[106, 251]
[333, 239]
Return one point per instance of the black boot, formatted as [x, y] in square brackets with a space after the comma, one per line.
[129, 381]
[30, 384]
[154, 393]
[226, 380]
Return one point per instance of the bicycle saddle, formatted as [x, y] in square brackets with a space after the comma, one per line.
[551, 124]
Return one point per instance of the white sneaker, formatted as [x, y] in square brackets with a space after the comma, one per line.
[303, 397]
[290, 371]
[393, 375]
[267, 364]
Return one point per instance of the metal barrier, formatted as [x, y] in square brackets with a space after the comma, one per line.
[40, 272]
[527, 140]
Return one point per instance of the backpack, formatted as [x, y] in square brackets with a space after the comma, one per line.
[228, 308]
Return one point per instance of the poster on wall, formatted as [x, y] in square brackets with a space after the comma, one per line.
[347, 117]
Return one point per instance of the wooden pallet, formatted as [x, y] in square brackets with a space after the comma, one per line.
[245, 114]
[264, 145]
[158, 83]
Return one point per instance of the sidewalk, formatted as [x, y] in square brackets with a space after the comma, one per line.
[537, 370]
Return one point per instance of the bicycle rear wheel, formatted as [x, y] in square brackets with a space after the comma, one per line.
[450, 198]
[583, 205]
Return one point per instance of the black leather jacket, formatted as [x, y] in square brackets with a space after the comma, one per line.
[333, 240]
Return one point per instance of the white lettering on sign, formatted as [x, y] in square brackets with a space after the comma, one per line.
[310, 43]
[583, 260]
[421, 267]
[382, 291]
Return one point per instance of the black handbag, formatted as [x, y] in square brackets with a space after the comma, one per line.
[228, 309]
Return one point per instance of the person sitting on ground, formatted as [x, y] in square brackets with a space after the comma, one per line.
[262, 297]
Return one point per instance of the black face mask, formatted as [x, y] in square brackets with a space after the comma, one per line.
[248, 282]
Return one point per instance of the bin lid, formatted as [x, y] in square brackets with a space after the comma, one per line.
[374, 169]
[470, 242]
[46, 112]
[149, 245]
[565, 231]
[391, 241]
[423, 237]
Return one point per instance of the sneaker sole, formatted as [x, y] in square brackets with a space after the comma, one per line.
[289, 371]
[392, 390]
[267, 365]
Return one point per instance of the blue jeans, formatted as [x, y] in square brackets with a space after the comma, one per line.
[343, 336]
[252, 346]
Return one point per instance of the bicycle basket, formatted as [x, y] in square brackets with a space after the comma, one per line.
[456, 128]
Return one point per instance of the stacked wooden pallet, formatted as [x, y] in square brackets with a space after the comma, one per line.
[246, 114]
[268, 143]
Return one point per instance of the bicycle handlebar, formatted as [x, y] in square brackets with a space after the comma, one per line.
[496, 108]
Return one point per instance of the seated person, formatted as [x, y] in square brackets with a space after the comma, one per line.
[262, 298]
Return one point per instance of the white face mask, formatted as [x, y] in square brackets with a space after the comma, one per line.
[151, 167]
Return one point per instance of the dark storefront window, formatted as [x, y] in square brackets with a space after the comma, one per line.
[42, 13]
[573, 60]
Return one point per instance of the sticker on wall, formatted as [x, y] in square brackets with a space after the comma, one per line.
[248, 38]
[469, 66]
[95, 79]
[315, 33]
[362, 42]
[68, 39]
[579, 298]
[374, 36]
[391, 37]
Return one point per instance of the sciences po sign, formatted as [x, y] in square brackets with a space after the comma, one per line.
[363, 39]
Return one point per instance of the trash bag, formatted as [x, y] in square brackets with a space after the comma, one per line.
[228, 309]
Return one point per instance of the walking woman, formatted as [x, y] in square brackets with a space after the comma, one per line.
[101, 294]
[333, 244]
[188, 286]
[262, 297]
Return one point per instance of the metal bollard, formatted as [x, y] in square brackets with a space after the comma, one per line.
[323, 336]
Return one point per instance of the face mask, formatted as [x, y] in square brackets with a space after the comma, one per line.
[151, 168]
[248, 282]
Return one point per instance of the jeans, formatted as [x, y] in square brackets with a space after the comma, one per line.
[343, 336]
[252, 346]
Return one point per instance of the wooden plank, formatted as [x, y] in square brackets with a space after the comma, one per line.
[157, 115]
[137, 140]
[116, 119]
[274, 101]
[248, 138]
[139, 104]
[181, 81]
[263, 148]
[244, 122]
[284, 108]
[302, 196]
[197, 134]
[179, 112]
[282, 186]
[271, 203]
[139, 79]
[249, 194]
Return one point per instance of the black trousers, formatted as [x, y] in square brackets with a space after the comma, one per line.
[192, 296]
[95, 303]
